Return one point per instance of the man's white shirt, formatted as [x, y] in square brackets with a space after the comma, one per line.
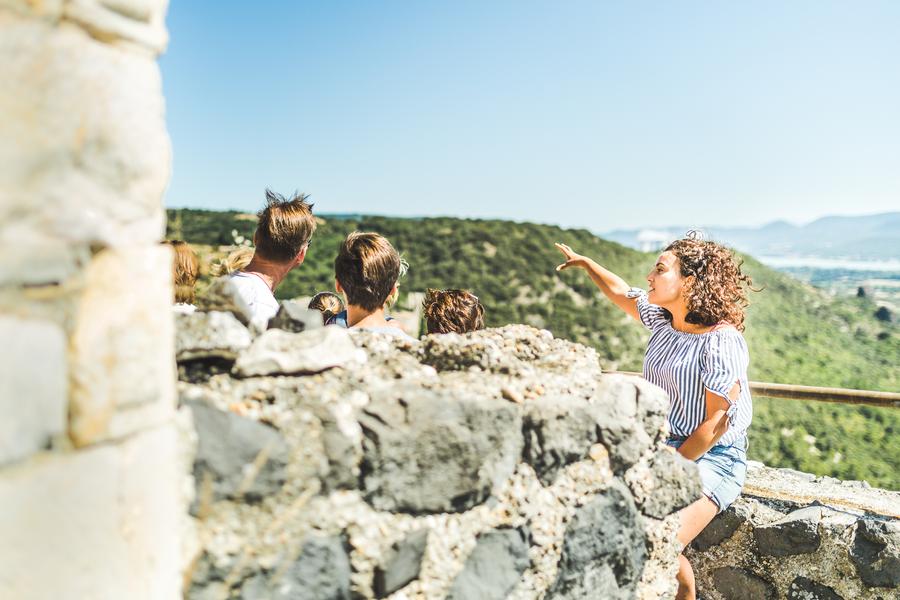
[258, 297]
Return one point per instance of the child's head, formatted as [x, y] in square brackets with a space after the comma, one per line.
[185, 270]
[452, 311]
[367, 269]
[327, 303]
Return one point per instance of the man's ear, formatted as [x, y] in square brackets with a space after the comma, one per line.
[301, 256]
[338, 288]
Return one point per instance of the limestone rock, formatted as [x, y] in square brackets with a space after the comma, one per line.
[512, 349]
[797, 533]
[621, 428]
[402, 565]
[652, 405]
[296, 317]
[137, 21]
[806, 589]
[87, 136]
[241, 458]
[107, 518]
[278, 352]
[201, 335]
[120, 353]
[603, 550]
[737, 584]
[721, 527]
[494, 567]
[436, 450]
[557, 433]
[876, 552]
[343, 449]
[321, 572]
[665, 484]
[33, 386]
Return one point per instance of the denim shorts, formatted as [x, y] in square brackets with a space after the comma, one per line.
[722, 470]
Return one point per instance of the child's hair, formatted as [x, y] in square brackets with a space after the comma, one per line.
[185, 270]
[452, 311]
[237, 260]
[328, 303]
[367, 267]
[285, 226]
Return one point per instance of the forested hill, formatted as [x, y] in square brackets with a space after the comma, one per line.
[796, 333]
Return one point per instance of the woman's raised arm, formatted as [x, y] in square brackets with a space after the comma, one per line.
[613, 286]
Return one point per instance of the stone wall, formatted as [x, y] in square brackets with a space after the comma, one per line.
[90, 468]
[499, 464]
[792, 535]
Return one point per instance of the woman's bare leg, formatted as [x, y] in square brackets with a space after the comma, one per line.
[687, 588]
[694, 518]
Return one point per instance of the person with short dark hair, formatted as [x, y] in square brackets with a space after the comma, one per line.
[283, 235]
[366, 272]
[327, 303]
[452, 311]
[185, 271]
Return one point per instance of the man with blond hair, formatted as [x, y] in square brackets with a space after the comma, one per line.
[283, 235]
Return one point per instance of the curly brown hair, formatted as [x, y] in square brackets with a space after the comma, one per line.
[452, 311]
[716, 293]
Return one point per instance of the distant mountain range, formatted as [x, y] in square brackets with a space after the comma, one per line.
[871, 237]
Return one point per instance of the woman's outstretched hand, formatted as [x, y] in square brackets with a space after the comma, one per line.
[573, 259]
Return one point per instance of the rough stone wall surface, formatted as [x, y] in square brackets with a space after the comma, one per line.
[92, 471]
[795, 536]
[499, 464]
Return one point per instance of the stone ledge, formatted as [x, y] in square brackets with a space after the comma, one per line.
[804, 488]
[794, 535]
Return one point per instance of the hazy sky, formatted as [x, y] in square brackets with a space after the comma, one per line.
[590, 114]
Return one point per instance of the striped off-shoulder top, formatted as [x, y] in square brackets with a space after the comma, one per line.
[686, 364]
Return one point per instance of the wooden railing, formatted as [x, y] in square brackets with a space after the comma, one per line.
[819, 394]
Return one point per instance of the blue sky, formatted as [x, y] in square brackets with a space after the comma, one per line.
[591, 114]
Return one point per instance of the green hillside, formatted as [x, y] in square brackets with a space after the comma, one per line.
[796, 333]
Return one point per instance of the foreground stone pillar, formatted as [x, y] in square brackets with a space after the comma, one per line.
[90, 479]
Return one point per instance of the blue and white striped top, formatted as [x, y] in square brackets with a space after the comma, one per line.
[684, 364]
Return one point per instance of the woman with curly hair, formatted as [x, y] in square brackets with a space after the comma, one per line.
[694, 309]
